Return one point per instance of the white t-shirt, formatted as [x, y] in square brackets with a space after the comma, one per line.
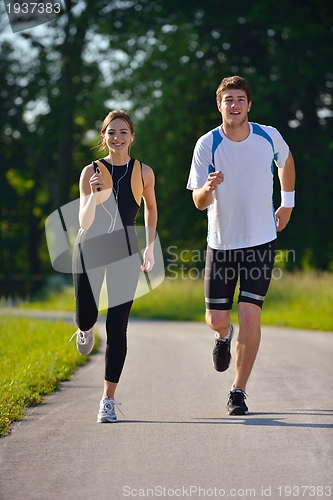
[242, 213]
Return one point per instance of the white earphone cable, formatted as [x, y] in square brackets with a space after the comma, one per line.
[116, 195]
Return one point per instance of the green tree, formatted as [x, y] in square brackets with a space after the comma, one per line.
[175, 61]
[48, 85]
[163, 60]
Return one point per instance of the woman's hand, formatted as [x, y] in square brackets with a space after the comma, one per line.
[148, 259]
[96, 182]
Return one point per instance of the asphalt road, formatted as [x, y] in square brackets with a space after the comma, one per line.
[177, 440]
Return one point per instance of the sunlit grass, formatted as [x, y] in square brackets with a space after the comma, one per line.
[298, 300]
[52, 300]
[35, 356]
[173, 300]
[301, 300]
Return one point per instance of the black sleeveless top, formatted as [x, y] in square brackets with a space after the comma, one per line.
[112, 235]
[122, 191]
[121, 194]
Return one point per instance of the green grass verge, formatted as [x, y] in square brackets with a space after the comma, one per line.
[35, 356]
[298, 300]
[50, 300]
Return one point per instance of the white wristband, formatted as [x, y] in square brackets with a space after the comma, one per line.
[288, 199]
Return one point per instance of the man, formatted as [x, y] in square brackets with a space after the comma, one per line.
[232, 176]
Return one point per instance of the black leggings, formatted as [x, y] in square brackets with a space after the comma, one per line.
[87, 287]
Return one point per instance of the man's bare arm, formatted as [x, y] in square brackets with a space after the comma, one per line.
[203, 197]
[287, 180]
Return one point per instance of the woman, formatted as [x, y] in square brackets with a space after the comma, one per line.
[111, 190]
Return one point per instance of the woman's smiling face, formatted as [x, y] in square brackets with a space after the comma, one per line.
[118, 136]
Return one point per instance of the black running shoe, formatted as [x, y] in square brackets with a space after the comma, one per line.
[236, 404]
[221, 353]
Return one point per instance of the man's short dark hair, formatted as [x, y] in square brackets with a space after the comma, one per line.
[233, 82]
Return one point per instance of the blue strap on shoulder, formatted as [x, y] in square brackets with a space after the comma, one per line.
[260, 131]
[217, 139]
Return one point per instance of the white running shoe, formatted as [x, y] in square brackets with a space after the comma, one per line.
[107, 411]
[84, 341]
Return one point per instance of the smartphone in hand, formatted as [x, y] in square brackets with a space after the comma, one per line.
[98, 172]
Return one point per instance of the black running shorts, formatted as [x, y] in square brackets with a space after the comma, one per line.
[252, 266]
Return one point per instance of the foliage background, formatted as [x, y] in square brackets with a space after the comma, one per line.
[162, 61]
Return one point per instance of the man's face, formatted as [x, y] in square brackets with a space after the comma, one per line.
[234, 107]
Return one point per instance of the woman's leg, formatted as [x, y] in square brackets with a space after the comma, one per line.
[115, 354]
[121, 280]
[117, 321]
[86, 290]
[116, 346]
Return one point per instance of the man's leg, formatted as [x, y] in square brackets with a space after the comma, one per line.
[255, 275]
[220, 283]
[219, 321]
[247, 343]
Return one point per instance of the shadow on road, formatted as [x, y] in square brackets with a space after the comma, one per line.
[255, 419]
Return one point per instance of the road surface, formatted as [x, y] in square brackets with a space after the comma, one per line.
[177, 440]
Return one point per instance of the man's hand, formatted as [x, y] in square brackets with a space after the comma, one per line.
[213, 180]
[282, 216]
[203, 197]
